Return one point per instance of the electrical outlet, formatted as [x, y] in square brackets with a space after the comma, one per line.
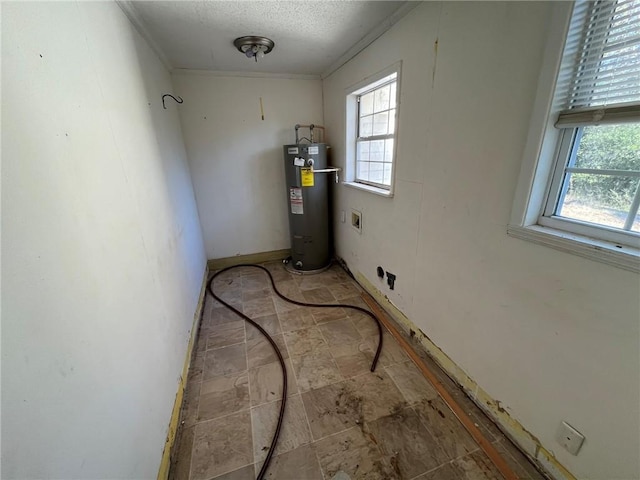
[570, 438]
[343, 217]
[391, 280]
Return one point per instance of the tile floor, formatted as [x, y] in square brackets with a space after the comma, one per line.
[340, 417]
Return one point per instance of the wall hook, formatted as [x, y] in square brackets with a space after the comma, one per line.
[179, 99]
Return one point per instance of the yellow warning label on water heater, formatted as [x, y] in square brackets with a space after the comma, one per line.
[306, 176]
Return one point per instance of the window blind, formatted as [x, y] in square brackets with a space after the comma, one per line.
[601, 62]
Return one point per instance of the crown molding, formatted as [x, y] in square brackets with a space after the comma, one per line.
[218, 73]
[370, 37]
[130, 12]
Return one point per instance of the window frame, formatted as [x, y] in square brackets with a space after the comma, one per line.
[372, 138]
[352, 93]
[543, 156]
[568, 142]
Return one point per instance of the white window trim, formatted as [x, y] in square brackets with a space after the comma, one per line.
[539, 159]
[351, 94]
[383, 192]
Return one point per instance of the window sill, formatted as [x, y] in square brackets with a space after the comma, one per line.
[627, 258]
[369, 188]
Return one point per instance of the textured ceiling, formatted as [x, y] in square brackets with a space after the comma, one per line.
[310, 36]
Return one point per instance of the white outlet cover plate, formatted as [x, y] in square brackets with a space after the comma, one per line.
[570, 438]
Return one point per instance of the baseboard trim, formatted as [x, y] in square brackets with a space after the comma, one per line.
[218, 263]
[165, 463]
[513, 429]
[470, 426]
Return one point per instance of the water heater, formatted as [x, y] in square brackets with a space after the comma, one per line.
[307, 181]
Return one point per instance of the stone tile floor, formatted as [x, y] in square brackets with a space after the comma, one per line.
[340, 417]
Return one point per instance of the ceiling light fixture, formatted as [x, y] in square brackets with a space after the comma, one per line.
[253, 46]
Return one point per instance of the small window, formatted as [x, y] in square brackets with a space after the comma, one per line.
[372, 113]
[594, 188]
[599, 183]
[376, 135]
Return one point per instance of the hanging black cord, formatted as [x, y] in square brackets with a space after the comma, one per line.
[179, 99]
[276, 434]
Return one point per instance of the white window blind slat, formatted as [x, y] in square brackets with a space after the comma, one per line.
[601, 60]
[613, 77]
[622, 24]
[582, 117]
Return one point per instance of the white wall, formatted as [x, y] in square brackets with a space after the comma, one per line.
[551, 335]
[101, 247]
[236, 158]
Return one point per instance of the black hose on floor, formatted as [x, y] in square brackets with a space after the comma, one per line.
[276, 434]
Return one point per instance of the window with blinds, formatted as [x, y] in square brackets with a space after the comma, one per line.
[596, 182]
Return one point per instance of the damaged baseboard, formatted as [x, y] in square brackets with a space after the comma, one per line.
[165, 462]
[513, 429]
[218, 263]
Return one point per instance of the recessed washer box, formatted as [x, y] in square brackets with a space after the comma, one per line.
[356, 220]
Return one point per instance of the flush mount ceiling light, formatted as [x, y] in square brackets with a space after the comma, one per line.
[254, 47]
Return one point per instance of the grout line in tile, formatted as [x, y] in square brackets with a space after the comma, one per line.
[253, 439]
[398, 386]
[230, 471]
[293, 372]
[224, 346]
[334, 433]
[248, 409]
[284, 340]
[382, 456]
[280, 328]
[246, 355]
[319, 464]
[350, 320]
[433, 469]
[191, 456]
[425, 425]
[246, 371]
[438, 443]
[252, 407]
[504, 439]
[326, 342]
[182, 425]
[308, 426]
[199, 390]
[379, 448]
[343, 379]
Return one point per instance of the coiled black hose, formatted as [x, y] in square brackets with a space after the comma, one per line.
[276, 434]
